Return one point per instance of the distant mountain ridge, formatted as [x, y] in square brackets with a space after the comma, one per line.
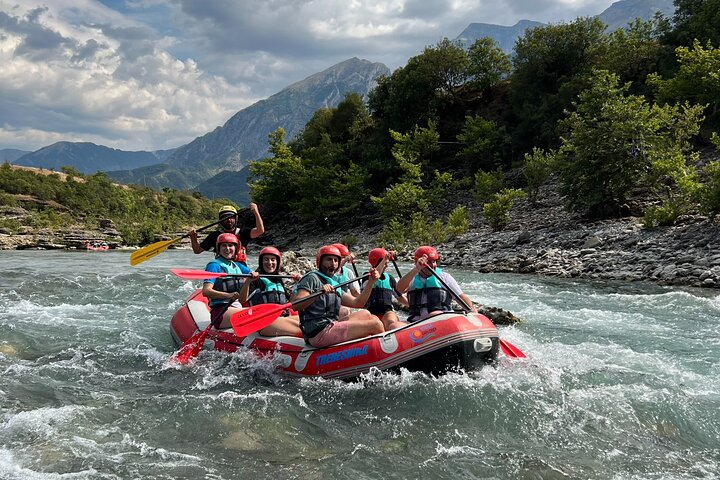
[11, 154]
[88, 157]
[617, 15]
[244, 137]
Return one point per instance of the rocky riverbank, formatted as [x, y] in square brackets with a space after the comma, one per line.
[545, 239]
[541, 239]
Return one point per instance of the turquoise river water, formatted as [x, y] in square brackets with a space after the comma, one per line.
[621, 381]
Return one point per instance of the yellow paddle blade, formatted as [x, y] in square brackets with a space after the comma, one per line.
[151, 250]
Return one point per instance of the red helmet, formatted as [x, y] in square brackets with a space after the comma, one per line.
[376, 255]
[270, 251]
[326, 250]
[425, 250]
[344, 251]
[226, 238]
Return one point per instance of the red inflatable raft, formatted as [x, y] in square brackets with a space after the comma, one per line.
[437, 344]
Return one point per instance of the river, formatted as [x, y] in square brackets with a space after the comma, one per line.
[621, 381]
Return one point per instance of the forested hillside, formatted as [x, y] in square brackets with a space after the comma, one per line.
[55, 200]
[606, 115]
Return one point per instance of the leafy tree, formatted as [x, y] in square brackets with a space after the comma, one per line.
[612, 141]
[481, 138]
[695, 20]
[276, 181]
[550, 64]
[487, 63]
[697, 80]
[413, 94]
[633, 53]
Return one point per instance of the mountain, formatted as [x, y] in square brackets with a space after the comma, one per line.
[88, 157]
[620, 13]
[504, 36]
[617, 15]
[11, 154]
[244, 137]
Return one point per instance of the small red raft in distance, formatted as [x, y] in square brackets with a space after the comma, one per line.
[435, 345]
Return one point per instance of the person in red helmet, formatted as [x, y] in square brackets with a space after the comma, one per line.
[380, 302]
[228, 214]
[319, 316]
[265, 290]
[223, 290]
[346, 273]
[426, 294]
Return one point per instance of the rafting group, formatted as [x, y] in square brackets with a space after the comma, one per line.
[330, 306]
[348, 308]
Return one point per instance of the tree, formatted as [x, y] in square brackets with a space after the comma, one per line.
[695, 20]
[550, 65]
[697, 80]
[480, 137]
[633, 53]
[487, 63]
[275, 181]
[612, 143]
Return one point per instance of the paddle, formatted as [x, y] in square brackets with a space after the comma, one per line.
[149, 251]
[260, 316]
[192, 346]
[396, 268]
[508, 348]
[202, 274]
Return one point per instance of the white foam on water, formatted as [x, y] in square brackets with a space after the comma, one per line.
[44, 422]
[12, 469]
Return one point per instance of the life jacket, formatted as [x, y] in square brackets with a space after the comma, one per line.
[342, 278]
[322, 311]
[436, 296]
[381, 295]
[268, 292]
[227, 284]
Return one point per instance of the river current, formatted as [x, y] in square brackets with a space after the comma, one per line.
[621, 381]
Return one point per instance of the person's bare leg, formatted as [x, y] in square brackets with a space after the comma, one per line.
[283, 326]
[391, 321]
[362, 323]
[226, 317]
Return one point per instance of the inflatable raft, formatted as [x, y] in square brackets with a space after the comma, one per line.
[435, 345]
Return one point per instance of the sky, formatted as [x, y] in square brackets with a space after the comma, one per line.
[155, 74]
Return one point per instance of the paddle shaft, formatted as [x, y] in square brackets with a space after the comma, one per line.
[396, 269]
[450, 290]
[203, 274]
[322, 291]
[216, 223]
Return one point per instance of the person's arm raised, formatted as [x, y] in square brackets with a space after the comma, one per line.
[259, 228]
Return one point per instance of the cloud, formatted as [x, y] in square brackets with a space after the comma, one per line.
[112, 83]
[151, 74]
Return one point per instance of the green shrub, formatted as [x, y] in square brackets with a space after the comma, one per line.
[488, 184]
[537, 168]
[710, 195]
[497, 212]
[661, 215]
[401, 200]
[457, 221]
[8, 200]
[393, 236]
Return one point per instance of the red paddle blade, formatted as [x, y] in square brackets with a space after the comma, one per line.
[510, 350]
[256, 318]
[190, 348]
[195, 274]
